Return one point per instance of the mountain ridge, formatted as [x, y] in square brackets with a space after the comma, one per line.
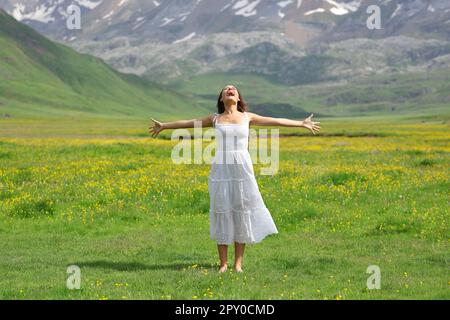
[165, 40]
[173, 20]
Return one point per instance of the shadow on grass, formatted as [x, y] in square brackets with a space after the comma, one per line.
[135, 266]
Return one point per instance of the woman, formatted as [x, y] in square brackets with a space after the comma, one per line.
[237, 211]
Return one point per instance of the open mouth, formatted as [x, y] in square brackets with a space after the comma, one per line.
[230, 94]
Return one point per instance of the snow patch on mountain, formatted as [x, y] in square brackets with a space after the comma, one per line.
[166, 21]
[89, 4]
[183, 16]
[44, 12]
[246, 9]
[397, 10]
[188, 37]
[109, 15]
[63, 12]
[341, 8]
[41, 13]
[240, 4]
[138, 25]
[318, 10]
[283, 4]
[352, 6]
[337, 8]
[339, 11]
[225, 7]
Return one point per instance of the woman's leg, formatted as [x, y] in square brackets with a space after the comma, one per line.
[223, 253]
[238, 256]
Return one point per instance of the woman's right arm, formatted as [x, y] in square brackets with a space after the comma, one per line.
[157, 126]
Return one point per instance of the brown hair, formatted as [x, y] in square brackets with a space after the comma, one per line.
[241, 105]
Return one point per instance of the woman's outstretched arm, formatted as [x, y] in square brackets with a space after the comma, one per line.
[268, 121]
[157, 126]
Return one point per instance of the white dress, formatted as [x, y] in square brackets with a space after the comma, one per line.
[237, 210]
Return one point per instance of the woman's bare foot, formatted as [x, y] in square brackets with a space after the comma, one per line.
[238, 268]
[223, 268]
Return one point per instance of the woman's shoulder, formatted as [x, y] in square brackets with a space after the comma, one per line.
[249, 115]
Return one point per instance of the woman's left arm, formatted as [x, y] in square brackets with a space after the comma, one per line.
[269, 121]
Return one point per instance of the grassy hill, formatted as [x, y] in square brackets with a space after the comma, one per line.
[40, 78]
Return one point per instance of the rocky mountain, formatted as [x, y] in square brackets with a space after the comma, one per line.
[176, 20]
[306, 41]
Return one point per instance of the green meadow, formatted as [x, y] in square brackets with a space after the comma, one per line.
[107, 198]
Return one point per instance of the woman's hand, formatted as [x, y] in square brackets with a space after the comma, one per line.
[156, 128]
[311, 125]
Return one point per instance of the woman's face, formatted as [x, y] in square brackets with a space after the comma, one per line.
[230, 93]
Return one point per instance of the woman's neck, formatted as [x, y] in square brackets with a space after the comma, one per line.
[230, 108]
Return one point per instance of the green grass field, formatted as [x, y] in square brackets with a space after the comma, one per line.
[108, 199]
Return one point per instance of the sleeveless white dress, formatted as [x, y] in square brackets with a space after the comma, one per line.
[237, 210]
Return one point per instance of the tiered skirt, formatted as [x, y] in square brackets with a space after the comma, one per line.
[237, 210]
